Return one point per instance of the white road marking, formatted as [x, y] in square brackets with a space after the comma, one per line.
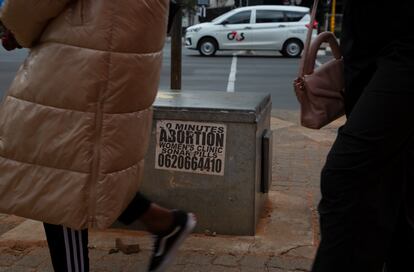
[232, 75]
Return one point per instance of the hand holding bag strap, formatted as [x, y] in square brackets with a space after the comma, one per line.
[305, 57]
[328, 37]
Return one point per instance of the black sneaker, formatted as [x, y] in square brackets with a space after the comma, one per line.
[167, 244]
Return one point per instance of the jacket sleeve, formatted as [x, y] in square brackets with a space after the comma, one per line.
[26, 19]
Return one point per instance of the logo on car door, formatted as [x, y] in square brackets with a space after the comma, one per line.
[235, 36]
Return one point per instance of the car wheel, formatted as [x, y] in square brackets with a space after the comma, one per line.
[207, 47]
[292, 48]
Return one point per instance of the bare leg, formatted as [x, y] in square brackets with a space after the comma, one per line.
[157, 219]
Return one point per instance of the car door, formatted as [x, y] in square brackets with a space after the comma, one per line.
[269, 29]
[297, 23]
[235, 32]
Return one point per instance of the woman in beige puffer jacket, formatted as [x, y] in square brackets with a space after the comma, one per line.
[75, 123]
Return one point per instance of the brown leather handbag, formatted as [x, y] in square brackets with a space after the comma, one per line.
[320, 91]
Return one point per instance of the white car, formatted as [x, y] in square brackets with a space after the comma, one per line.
[281, 28]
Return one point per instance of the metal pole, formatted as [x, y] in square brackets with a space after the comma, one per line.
[333, 16]
[176, 51]
[326, 14]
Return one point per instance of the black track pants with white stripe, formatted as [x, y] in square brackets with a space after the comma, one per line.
[68, 248]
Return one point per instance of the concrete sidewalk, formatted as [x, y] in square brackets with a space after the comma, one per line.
[287, 234]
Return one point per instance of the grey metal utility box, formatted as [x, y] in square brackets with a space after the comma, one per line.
[210, 153]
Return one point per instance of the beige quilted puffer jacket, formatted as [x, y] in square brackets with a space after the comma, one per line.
[75, 124]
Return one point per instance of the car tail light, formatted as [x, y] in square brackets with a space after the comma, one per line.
[315, 25]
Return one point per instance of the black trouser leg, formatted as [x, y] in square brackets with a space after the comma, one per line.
[401, 253]
[68, 248]
[375, 137]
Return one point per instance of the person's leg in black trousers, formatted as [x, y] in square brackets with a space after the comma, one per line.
[400, 254]
[374, 137]
[68, 248]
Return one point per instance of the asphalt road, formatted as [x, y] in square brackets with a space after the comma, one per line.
[9, 63]
[254, 72]
[248, 72]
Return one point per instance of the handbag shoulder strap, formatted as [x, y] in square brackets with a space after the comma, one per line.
[305, 56]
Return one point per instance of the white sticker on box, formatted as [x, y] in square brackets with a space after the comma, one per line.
[193, 147]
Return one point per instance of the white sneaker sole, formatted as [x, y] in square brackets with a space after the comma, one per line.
[191, 223]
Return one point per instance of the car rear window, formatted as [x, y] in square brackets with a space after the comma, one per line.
[269, 16]
[294, 16]
[242, 17]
